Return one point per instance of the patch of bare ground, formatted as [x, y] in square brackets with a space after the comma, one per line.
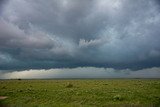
[3, 97]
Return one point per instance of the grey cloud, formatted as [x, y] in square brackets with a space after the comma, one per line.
[92, 43]
[2, 2]
[76, 33]
[32, 45]
[82, 72]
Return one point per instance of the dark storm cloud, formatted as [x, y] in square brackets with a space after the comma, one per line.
[76, 33]
[2, 2]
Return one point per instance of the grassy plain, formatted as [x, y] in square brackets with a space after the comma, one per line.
[80, 93]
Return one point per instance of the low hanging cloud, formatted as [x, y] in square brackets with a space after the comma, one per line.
[82, 72]
[118, 34]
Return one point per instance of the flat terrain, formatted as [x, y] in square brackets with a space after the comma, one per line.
[80, 93]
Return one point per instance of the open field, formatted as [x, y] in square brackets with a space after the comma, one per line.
[80, 93]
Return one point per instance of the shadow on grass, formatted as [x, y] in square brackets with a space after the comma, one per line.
[3, 104]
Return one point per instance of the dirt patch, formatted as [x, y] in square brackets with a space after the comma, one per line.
[3, 97]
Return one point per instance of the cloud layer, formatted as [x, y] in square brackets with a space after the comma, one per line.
[82, 72]
[77, 33]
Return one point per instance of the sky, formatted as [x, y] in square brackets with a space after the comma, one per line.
[79, 39]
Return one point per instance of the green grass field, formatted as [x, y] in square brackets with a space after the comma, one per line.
[80, 93]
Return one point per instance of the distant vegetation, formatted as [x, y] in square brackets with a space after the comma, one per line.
[80, 93]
